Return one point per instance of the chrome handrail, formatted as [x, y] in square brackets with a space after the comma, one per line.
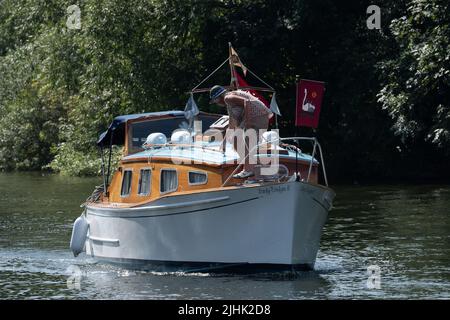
[312, 139]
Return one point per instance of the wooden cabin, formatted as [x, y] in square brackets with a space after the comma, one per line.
[145, 175]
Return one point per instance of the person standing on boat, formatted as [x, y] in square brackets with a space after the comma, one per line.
[245, 112]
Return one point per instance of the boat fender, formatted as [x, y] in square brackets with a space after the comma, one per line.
[79, 235]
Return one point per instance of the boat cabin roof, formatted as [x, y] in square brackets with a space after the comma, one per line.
[206, 153]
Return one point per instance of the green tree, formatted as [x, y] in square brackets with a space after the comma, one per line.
[416, 82]
[60, 88]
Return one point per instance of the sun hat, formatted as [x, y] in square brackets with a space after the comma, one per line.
[216, 92]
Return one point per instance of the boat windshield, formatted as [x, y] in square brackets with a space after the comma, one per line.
[139, 131]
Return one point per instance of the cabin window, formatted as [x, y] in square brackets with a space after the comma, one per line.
[197, 177]
[144, 182]
[169, 180]
[138, 131]
[126, 183]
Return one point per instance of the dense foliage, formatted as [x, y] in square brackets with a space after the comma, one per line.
[416, 90]
[386, 110]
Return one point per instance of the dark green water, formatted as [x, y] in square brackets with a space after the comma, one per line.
[404, 230]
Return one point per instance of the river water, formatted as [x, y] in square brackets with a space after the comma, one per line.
[380, 242]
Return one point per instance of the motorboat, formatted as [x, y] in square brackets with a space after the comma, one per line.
[173, 204]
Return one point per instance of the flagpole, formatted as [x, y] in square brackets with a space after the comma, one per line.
[233, 83]
[297, 78]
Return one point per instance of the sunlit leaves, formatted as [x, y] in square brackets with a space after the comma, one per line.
[416, 90]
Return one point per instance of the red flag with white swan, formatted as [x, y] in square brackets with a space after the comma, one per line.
[309, 101]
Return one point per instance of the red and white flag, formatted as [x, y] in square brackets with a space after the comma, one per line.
[242, 83]
[309, 101]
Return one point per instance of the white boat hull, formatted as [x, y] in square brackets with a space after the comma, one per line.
[278, 225]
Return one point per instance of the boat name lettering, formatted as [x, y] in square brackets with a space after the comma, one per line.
[269, 190]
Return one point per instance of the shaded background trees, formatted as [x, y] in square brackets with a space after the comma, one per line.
[386, 108]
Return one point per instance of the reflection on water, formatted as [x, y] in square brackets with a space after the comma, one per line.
[405, 230]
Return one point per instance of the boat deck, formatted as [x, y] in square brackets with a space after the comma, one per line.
[209, 153]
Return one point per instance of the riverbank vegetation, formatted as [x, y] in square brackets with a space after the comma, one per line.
[386, 112]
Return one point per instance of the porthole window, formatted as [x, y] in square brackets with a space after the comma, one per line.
[197, 177]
